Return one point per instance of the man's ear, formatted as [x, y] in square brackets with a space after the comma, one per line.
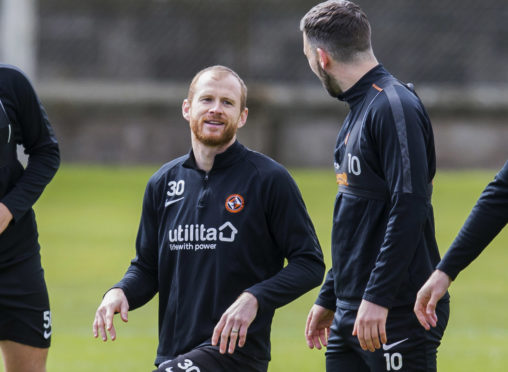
[243, 117]
[186, 109]
[323, 58]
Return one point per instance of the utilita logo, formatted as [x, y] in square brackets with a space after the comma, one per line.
[197, 237]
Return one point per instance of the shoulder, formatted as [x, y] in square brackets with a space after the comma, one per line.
[11, 70]
[503, 173]
[395, 95]
[15, 86]
[13, 74]
[264, 166]
[397, 104]
[273, 178]
[161, 174]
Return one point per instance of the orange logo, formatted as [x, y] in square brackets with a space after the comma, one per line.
[341, 179]
[234, 203]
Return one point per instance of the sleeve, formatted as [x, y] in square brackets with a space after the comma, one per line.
[326, 297]
[401, 138]
[486, 220]
[39, 142]
[140, 282]
[294, 233]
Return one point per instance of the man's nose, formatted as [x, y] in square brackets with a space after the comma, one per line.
[216, 107]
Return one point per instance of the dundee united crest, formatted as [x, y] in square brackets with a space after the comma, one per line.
[234, 203]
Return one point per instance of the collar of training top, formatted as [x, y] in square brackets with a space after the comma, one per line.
[357, 92]
[234, 153]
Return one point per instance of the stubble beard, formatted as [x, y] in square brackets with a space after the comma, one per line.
[329, 83]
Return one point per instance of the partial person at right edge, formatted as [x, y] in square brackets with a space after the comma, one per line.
[488, 217]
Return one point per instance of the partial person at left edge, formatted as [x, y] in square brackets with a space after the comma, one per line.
[25, 316]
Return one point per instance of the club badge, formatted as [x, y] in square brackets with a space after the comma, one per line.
[234, 203]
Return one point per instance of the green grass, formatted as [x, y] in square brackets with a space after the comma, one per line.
[88, 220]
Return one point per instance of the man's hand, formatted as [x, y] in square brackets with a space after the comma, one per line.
[234, 323]
[370, 325]
[431, 292]
[5, 217]
[318, 326]
[114, 301]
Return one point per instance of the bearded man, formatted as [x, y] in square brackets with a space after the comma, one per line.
[216, 227]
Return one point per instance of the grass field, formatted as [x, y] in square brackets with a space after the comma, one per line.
[88, 219]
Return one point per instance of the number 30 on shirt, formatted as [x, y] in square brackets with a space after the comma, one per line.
[176, 188]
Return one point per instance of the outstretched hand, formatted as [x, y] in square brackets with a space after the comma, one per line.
[426, 300]
[317, 328]
[235, 322]
[114, 301]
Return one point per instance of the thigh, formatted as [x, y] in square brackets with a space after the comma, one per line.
[342, 352]
[25, 316]
[345, 361]
[23, 358]
[409, 347]
[435, 334]
[189, 362]
[208, 359]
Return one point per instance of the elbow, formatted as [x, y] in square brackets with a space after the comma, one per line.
[317, 274]
[48, 157]
[320, 276]
[55, 158]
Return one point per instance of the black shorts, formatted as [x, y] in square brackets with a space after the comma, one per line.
[409, 348]
[208, 359]
[25, 316]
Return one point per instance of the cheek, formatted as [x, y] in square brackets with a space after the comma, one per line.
[197, 113]
[312, 66]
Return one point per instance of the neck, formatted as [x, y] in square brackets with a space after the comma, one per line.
[348, 74]
[205, 155]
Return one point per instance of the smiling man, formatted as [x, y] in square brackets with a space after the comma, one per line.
[216, 227]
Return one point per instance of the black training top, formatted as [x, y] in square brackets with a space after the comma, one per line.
[23, 121]
[204, 238]
[383, 241]
[486, 220]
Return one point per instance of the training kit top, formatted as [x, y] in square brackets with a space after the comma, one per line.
[383, 241]
[23, 121]
[488, 217]
[204, 238]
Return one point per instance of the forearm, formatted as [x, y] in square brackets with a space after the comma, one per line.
[486, 220]
[139, 286]
[327, 297]
[404, 232]
[298, 277]
[478, 231]
[42, 166]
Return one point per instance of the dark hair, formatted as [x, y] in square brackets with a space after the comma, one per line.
[220, 70]
[339, 27]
